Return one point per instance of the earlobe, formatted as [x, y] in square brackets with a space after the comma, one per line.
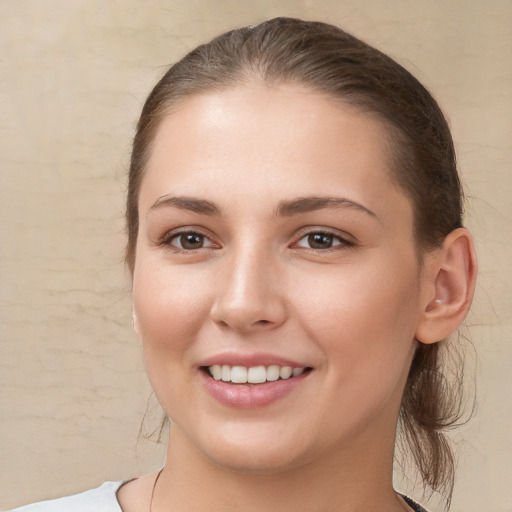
[452, 278]
[134, 323]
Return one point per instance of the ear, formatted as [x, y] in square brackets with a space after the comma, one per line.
[135, 323]
[450, 284]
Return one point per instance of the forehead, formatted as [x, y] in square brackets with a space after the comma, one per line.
[260, 113]
[265, 139]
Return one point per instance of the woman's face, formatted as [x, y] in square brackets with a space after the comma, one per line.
[272, 239]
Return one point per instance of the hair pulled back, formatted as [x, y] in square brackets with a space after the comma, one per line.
[328, 60]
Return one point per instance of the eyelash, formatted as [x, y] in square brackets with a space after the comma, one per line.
[341, 242]
[168, 238]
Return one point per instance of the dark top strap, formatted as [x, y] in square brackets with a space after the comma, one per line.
[413, 505]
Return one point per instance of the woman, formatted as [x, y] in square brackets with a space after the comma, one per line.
[295, 238]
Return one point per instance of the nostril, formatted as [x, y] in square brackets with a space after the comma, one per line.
[244, 314]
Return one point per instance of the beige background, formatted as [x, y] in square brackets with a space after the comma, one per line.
[73, 77]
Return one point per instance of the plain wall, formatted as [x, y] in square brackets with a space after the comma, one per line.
[73, 78]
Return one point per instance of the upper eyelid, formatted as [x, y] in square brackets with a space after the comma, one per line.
[171, 234]
[342, 241]
[311, 230]
[186, 229]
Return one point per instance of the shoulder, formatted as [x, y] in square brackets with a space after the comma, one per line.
[101, 499]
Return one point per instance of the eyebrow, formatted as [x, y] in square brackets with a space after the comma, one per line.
[193, 204]
[284, 208]
[312, 203]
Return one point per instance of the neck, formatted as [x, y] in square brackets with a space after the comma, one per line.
[356, 479]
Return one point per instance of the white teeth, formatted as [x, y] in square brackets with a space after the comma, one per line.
[226, 373]
[239, 374]
[256, 374]
[216, 371]
[253, 374]
[285, 372]
[273, 372]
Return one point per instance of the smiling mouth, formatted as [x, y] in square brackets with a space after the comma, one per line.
[253, 374]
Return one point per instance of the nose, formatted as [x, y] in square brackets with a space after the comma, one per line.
[249, 296]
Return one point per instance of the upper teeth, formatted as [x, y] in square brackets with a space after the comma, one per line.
[254, 374]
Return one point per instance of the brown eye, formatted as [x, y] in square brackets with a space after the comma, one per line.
[320, 241]
[190, 241]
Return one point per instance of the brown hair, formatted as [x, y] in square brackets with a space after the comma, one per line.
[327, 59]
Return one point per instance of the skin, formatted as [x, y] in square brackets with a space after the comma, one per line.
[351, 311]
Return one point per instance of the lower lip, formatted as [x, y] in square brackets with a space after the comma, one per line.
[248, 396]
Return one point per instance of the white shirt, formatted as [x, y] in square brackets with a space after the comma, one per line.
[101, 499]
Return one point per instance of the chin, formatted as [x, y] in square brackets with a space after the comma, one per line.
[255, 462]
[255, 454]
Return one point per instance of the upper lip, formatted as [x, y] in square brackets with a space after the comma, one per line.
[251, 360]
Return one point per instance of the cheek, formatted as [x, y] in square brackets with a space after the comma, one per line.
[364, 322]
[365, 316]
[170, 308]
[170, 311]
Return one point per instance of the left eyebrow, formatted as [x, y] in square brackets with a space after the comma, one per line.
[201, 206]
[312, 203]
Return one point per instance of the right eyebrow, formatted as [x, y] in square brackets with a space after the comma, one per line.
[312, 203]
[201, 206]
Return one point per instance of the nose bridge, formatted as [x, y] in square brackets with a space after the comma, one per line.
[249, 295]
